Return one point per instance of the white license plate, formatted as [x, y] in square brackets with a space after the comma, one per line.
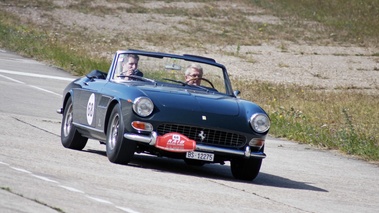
[200, 156]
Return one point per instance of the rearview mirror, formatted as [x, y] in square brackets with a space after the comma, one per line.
[173, 67]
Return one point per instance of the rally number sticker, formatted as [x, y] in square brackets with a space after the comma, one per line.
[175, 142]
[90, 108]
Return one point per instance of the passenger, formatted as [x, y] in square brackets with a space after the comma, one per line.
[130, 65]
[193, 74]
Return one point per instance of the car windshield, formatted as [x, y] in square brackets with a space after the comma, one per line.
[168, 71]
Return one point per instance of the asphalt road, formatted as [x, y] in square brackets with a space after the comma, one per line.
[38, 175]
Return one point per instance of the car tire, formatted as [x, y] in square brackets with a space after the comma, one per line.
[245, 169]
[119, 149]
[70, 137]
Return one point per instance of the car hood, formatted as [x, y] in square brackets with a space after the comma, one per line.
[194, 101]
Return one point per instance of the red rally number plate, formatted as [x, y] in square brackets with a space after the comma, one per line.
[175, 142]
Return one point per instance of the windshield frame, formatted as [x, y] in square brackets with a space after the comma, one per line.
[115, 66]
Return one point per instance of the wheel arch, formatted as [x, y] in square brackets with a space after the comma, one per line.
[67, 96]
[111, 105]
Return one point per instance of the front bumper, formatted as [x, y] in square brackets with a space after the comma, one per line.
[151, 140]
[60, 111]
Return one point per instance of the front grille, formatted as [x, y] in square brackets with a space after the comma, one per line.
[212, 137]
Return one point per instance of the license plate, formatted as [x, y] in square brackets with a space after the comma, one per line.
[200, 156]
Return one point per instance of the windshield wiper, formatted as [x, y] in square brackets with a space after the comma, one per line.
[186, 84]
[176, 81]
[138, 78]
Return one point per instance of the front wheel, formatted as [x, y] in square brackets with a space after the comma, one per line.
[119, 149]
[70, 137]
[245, 169]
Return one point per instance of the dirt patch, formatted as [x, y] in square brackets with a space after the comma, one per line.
[323, 67]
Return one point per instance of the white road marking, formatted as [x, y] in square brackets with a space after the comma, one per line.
[4, 163]
[44, 178]
[20, 170]
[48, 91]
[36, 75]
[45, 90]
[35, 87]
[126, 209]
[69, 188]
[12, 79]
[99, 199]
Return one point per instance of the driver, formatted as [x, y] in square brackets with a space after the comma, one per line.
[129, 67]
[193, 74]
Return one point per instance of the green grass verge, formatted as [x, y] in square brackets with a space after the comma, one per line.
[352, 21]
[29, 42]
[342, 120]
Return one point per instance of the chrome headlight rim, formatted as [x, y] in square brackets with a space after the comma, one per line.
[143, 106]
[260, 122]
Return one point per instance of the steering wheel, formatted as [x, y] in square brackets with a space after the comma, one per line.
[206, 80]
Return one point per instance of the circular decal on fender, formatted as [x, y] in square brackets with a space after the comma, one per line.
[90, 108]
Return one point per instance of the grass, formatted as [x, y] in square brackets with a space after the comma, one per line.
[346, 119]
[347, 21]
[42, 45]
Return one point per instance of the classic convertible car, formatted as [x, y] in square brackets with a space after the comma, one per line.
[157, 109]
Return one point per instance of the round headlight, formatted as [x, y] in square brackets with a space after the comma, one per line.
[260, 122]
[143, 106]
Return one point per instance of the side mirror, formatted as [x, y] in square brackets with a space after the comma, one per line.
[236, 93]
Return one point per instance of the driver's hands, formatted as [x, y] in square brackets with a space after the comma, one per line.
[194, 81]
[129, 72]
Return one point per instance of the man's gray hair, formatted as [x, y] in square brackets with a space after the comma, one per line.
[194, 66]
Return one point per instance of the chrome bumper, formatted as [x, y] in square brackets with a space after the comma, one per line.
[60, 111]
[151, 140]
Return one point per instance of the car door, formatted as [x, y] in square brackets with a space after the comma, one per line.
[90, 105]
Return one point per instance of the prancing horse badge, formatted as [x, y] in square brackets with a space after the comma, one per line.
[202, 135]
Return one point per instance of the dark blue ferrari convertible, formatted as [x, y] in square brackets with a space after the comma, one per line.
[176, 106]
